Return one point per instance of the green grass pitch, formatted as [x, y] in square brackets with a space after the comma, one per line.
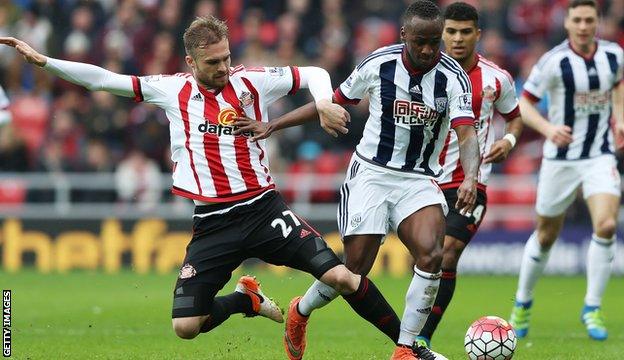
[83, 315]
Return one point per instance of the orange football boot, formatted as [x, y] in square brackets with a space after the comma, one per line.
[260, 303]
[403, 353]
[294, 336]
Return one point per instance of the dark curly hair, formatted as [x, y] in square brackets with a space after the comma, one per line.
[460, 11]
[574, 3]
[423, 9]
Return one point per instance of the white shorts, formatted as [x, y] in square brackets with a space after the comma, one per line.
[374, 200]
[559, 181]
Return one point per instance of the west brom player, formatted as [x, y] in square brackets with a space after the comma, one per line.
[492, 90]
[583, 80]
[238, 213]
[416, 94]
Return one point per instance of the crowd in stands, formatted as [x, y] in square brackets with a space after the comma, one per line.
[59, 127]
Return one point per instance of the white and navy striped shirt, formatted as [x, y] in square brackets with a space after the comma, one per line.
[579, 89]
[410, 111]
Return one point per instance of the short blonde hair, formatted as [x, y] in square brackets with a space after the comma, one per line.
[202, 32]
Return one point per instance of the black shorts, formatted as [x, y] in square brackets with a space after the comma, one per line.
[266, 229]
[460, 226]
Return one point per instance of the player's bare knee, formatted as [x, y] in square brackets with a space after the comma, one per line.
[358, 266]
[431, 262]
[341, 279]
[606, 228]
[547, 235]
[186, 328]
[548, 229]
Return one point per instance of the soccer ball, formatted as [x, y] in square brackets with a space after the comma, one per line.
[490, 338]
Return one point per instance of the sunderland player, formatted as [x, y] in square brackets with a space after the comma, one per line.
[583, 80]
[238, 213]
[416, 94]
[492, 90]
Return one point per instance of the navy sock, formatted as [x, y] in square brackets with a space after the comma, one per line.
[370, 304]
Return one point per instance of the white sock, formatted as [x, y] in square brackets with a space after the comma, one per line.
[534, 261]
[317, 296]
[419, 300]
[599, 259]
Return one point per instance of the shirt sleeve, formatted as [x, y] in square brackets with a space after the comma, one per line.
[90, 76]
[619, 75]
[159, 90]
[507, 102]
[460, 102]
[274, 82]
[539, 80]
[354, 88]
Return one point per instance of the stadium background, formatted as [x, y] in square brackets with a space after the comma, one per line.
[79, 169]
[84, 183]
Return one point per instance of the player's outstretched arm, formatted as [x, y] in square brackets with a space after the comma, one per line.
[299, 116]
[560, 135]
[469, 157]
[29, 54]
[501, 148]
[333, 117]
[90, 76]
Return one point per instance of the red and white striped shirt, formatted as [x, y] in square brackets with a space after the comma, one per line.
[212, 164]
[492, 89]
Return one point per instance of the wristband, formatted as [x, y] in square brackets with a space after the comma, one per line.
[511, 138]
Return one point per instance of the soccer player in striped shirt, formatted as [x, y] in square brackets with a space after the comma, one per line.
[417, 94]
[492, 90]
[583, 80]
[238, 214]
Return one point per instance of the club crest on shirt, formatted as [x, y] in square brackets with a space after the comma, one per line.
[488, 94]
[187, 271]
[440, 104]
[246, 99]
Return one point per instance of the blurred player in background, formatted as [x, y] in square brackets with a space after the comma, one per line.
[416, 95]
[5, 114]
[238, 214]
[583, 80]
[492, 90]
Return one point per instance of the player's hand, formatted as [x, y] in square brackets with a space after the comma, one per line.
[260, 129]
[560, 135]
[466, 196]
[25, 50]
[498, 152]
[333, 117]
